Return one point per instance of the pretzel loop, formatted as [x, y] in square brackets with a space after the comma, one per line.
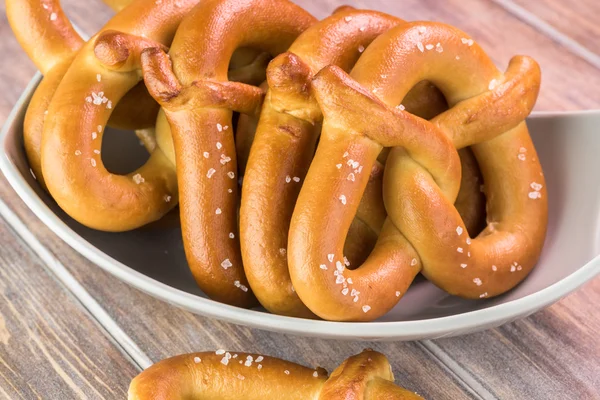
[83, 102]
[50, 40]
[421, 178]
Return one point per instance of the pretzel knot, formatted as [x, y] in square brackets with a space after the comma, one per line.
[423, 231]
[223, 374]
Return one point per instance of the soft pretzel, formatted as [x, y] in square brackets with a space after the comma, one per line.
[282, 150]
[198, 101]
[49, 39]
[423, 231]
[226, 376]
[100, 75]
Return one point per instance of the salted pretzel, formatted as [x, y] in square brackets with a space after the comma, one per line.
[423, 231]
[198, 101]
[284, 144]
[99, 76]
[49, 39]
[226, 375]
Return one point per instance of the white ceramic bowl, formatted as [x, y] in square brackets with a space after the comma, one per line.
[152, 259]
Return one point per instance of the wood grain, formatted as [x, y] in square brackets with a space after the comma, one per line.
[552, 354]
[49, 345]
[568, 82]
[577, 19]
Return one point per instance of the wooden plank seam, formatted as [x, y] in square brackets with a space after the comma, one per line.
[56, 269]
[462, 376]
[564, 40]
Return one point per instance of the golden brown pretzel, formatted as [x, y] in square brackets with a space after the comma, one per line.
[287, 132]
[71, 163]
[227, 376]
[422, 178]
[198, 100]
[49, 39]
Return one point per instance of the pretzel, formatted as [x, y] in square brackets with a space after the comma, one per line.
[198, 101]
[423, 231]
[284, 144]
[227, 376]
[45, 33]
[71, 163]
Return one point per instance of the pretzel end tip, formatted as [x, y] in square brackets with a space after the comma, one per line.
[110, 50]
[288, 71]
[160, 80]
[343, 8]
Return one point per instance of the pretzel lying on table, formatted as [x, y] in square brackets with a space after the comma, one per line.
[45, 33]
[198, 101]
[228, 376]
[284, 144]
[423, 231]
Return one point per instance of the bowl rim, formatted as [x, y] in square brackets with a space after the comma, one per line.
[391, 330]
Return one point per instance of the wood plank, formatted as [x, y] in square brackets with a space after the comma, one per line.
[576, 19]
[568, 82]
[49, 345]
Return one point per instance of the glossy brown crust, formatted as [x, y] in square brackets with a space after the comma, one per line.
[283, 148]
[422, 177]
[80, 109]
[43, 30]
[200, 121]
[229, 376]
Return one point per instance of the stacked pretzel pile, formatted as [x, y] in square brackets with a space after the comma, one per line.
[371, 149]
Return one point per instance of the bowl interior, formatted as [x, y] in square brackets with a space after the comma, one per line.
[566, 148]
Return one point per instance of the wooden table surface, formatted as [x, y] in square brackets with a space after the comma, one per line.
[70, 330]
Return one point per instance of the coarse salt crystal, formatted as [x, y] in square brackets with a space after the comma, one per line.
[137, 178]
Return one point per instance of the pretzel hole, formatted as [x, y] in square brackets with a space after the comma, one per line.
[122, 151]
[248, 65]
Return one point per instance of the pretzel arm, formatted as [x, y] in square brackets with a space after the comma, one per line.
[43, 31]
[227, 376]
[221, 376]
[468, 121]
